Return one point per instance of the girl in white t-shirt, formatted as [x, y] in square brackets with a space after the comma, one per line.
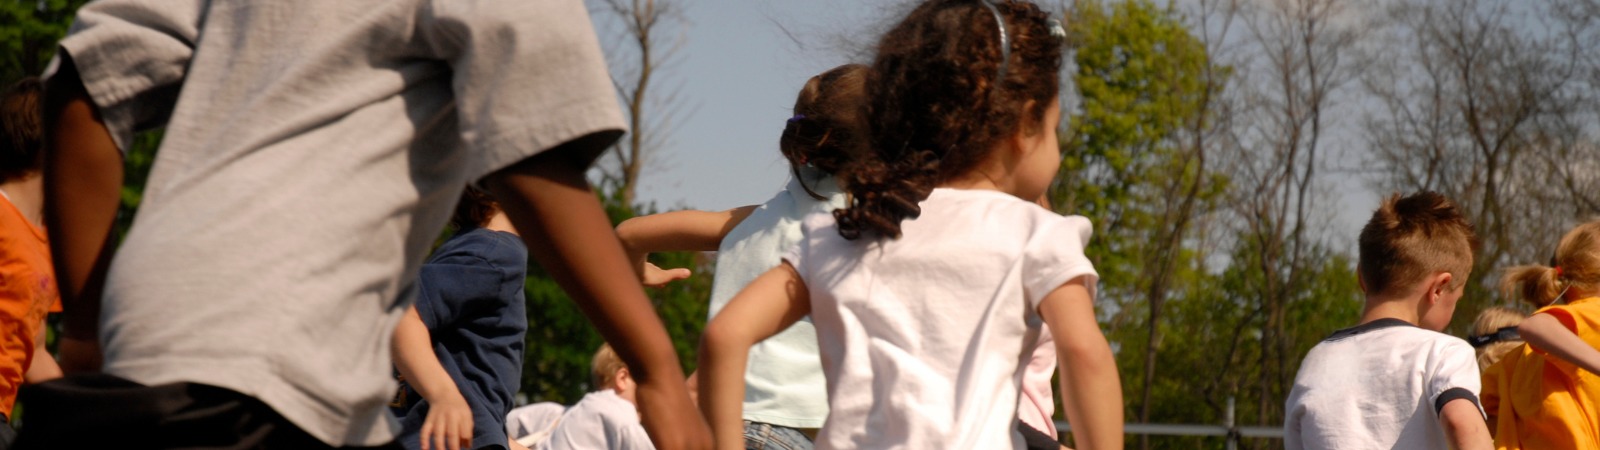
[929, 291]
[785, 401]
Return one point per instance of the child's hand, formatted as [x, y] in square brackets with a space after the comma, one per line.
[448, 426]
[657, 277]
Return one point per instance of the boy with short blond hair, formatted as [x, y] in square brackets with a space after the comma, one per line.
[606, 418]
[1395, 381]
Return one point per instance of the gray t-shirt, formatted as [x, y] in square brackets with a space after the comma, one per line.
[313, 150]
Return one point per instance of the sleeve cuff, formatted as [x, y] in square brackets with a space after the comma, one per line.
[1453, 394]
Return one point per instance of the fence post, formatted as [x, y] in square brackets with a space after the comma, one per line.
[1227, 421]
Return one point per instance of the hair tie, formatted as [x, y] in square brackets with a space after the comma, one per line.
[1558, 271]
[1504, 334]
[797, 118]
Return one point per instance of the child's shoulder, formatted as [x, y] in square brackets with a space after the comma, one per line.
[1395, 335]
[490, 246]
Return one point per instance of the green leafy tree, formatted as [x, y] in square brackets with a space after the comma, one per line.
[30, 32]
[1137, 163]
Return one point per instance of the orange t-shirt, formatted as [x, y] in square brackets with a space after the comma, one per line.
[1541, 401]
[27, 294]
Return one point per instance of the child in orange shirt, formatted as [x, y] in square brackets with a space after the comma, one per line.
[1546, 394]
[27, 283]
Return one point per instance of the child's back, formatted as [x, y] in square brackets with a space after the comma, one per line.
[929, 291]
[470, 299]
[923, 338]
[1379, 385]
[783, 385]
[1394, 381]
[607, 418]
[1545, 394]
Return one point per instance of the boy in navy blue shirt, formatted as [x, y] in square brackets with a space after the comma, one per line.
[459, 350]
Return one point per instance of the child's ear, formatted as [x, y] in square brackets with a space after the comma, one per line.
[618, 381]
[1025, 129]
[1439, 286]
[1361, 282]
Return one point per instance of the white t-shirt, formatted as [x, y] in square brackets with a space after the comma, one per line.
[602, 420]
[925, 339]
[1379, 385]
[783, 380]
[313, 151]
[1038, 406]
[531, 425]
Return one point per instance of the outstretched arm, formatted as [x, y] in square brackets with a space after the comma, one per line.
[686, 230]
[549, 200]
[1546, 332]
[1091, 392]
[82, 184]
[768, 305]
[449, 421]
[1464, 427]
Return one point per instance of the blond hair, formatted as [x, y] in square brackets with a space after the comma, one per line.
[1489, 322]
[1576, 264]
[1409, 238]
[603, 371]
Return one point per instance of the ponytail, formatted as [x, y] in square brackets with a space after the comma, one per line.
[1575, 265]
[1535, 284]
[827, 130]
[882, 194]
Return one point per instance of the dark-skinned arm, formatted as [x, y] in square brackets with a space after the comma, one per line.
[567, 232]
[82, 185]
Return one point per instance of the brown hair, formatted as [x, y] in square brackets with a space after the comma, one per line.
[1489, 322]
[1413, 237]
[474, 209]
[1575, 264]
[827, 130]
[937, 107]
[21, 121]
[603, 370]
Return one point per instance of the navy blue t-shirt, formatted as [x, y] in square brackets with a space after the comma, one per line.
[469, 294]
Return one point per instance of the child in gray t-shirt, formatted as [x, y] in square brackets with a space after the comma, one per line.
[312, 153]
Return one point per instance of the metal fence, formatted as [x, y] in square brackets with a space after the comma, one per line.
[1227, 429]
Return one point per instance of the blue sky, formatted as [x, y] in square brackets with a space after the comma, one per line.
[740, 66]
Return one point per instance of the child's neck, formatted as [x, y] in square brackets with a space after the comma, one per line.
[976, 183]
[1378, 308]
[27, 195]
[499, 222]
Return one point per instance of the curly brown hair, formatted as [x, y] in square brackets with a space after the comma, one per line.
[20, 121]
[827, 130]
[937, 106]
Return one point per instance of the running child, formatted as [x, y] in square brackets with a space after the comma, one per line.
[311, 154]
[1395, 381]
[929, 290]
[608, 417]
[459, 348]
[27, 282]
[1547, 393]
[785, 401]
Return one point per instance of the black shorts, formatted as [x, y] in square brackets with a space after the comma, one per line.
[98, 410]
[1037, 440]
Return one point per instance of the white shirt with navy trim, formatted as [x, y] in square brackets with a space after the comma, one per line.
[1379, 385]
